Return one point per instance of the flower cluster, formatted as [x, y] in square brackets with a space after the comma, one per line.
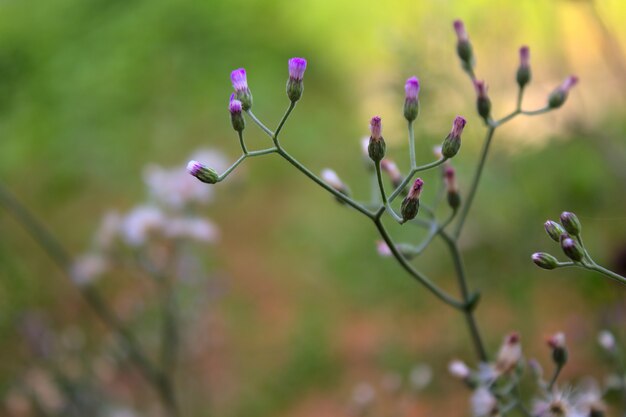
[495, 385]
[167, 216]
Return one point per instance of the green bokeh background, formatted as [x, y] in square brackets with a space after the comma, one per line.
[92, 91]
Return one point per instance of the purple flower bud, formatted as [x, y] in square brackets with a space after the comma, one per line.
[524, 57]
[571, 248]
[411, 102]
[236, 118]
[523, 72]
[464, 47]
[376, 148]
[554, 230]
[239, 80]
[559, 95]
[240, 84]
[297, 66]
[568, 84]
[452, 142]
[202, 172]
[544, 260]
[416, 189]
[461, 33]
[556, 342]
[376, 127]
[571, 223]
[412, 88]
[234, 105]
[295, 86]
[483, 104]
[332, 179]
[481, 88]
[454, 198]
[411, 203]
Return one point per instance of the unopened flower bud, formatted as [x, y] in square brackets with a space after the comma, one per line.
[559, 95]
[411, 101]
[376, 148]
[607, 341]
[510, 353]
[334, 181]
[463, 45]
[554, 230]
[483, 103]
[295, 86]
[459, 369]
[202, 172]
[449, 177]
[240, 84]
[392, 170]
[411, 203]
[523, 72]
[571, 223]
[235, 107]
[572, 248]
[544, 260]
[437, 152]
[556, 342]
[452, 142]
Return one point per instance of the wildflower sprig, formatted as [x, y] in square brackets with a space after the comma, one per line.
[407, 186]
[568, 234]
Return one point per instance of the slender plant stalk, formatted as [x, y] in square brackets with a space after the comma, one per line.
[57, 253]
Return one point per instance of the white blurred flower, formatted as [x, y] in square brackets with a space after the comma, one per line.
[87, 268]
[588, 399]
[483, 403]
[109, 229]
[140, 223]
[556, 404]
[420, 376]
[332, 179]
[195, 228]
[382, 248]
[606, 340]
[175, 188]
[363, 394]
[459, 369]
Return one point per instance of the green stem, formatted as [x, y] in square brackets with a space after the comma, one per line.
[342, 197]
[249, 154]
[406, 181]
[555, 376]
[607, 272]
[412, 146]
[53, 248]
[260, 124]
[468, 310]
[384, 196]
[472, 192]
[242, 143]
[438, 292]
[292, 105]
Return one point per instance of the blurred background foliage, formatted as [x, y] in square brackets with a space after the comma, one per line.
[93, 91]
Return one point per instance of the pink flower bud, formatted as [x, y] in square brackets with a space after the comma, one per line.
[376, 127]
[459, 369]
[524, 57]
[239, 79]
[461, 33]
[297, 66]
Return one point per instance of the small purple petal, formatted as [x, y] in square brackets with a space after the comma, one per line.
[481, 88]
[412, 88]
[297, 66]
[234, 106]
[457, 126]
[239, 80]
[194, 167]
[569, 83]
[524, 56]
[459, 28]
[376, 127]
[416, 189]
